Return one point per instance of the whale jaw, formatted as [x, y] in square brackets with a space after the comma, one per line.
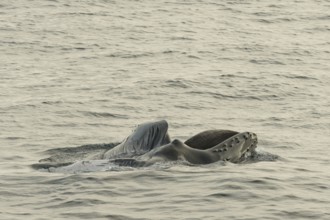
[144, 138]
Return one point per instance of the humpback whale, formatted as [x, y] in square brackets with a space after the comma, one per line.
[232, 149]
[150, 143]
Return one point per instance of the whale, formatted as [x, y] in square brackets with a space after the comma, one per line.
[150, 143]
[233, 149]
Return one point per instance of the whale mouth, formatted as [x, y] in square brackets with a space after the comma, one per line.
[144, 138]
[155, 134]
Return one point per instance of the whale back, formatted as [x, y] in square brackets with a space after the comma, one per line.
[208, 139]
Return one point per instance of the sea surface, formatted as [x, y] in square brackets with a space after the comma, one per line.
[83, 72]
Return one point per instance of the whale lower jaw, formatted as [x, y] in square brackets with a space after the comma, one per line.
[144, 138]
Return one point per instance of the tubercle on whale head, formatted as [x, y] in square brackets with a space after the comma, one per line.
[250, 141]
[248, 136]
[176, 142]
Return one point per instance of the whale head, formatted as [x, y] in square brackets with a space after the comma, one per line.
[236, 147]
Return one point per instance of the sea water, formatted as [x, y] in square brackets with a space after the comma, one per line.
[88, 71]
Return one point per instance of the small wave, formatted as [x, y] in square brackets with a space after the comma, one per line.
[52, 102]
[223, 96]
[15, 138]
[104, 115]
[262, 62]
[221, 195]
[193, 57]
[298, 77]
[239, 75]
[169, 52]
[177, 83]
[264, 21]
[69, 125]
[74, 48]
[276, 20]
[130, 56]
[182, 38]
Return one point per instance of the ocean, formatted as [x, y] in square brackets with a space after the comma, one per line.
[84, 72]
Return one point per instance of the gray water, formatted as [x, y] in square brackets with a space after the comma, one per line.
[86, 72]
